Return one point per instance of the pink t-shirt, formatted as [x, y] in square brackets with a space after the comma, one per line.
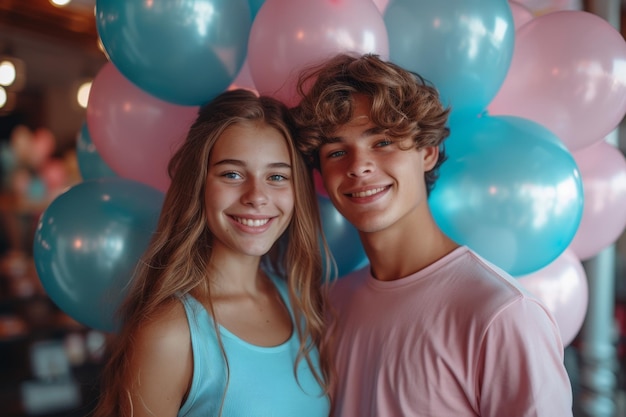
[459, 338]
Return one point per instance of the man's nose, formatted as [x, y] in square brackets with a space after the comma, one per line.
[360, 164]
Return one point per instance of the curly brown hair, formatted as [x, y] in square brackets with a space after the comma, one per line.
[402, 103]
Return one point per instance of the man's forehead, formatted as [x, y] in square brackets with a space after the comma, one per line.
[359, 120]
[362, 107]
[360, 111]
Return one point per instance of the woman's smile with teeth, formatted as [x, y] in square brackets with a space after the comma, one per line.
[368, 192]
[252, 222]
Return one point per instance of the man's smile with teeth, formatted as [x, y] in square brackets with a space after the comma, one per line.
[368, 192]
[251, 222]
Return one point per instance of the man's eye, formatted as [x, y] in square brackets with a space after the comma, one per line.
[336, 154]
[383, 142]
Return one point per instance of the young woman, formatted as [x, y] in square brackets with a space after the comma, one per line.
[225, 313]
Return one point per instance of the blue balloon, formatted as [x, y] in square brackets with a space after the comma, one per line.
[464, 47]
[36, 190]
[184, 52]
[90, 164]
[88, 242]
[342, 238]
[255, 5]
[510, 190]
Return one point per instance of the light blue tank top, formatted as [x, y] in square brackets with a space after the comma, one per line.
[262, 382]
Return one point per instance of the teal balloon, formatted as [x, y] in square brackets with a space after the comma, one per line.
[90, 164]
[464, 47]
[36, 190]
[342, 238]
[255, 5]
[88, 242]
[510, 190]
[184, 52]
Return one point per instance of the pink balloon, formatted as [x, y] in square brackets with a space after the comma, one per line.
[135, 133]
[567, 73]
[539, 7]
[603, 172]
[288, 35]
[54, 175]
[243, 79]
[43, 145]
[319, 184]
[382, 5]
[521, 14]
[562, 287]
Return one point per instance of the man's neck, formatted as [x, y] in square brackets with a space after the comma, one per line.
[397, 252]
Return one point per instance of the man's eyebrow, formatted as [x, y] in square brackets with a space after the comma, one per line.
[332, 139]
[372, 131]
[376, 130]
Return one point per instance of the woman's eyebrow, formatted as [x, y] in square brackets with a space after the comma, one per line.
[241, 163]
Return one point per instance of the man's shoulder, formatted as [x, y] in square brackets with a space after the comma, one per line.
[351, 280]
[476, 278]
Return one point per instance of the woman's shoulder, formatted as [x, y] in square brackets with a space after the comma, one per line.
[166, 331]
[161, 356]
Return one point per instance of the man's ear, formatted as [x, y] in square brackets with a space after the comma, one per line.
[430, 154]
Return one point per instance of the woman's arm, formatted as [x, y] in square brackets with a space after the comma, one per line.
[161, 364]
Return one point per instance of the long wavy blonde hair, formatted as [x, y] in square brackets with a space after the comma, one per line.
[178, 257]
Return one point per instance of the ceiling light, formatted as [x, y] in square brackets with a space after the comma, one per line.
[60, 3]
[7, 72]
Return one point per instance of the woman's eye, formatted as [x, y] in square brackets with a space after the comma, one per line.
[278, 177]
[231, 175]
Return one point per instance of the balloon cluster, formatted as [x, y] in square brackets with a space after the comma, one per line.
[31, 168]
[532, 98]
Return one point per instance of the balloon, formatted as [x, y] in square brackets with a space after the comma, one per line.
[244, 79]
[55, 175]
[568, 74]
[510, 191]
[255, 5]
[43, 145]
[342, 238]
[32, 148]
[8, 161]
[603, 171]
[87, 243]
[521, 14]
[562, 287]
[90, 163]
[135, 133]
[382, 5]
[464, 47]
[289, 35]
[183, 52]
[539, 7]
[319, 184]
[32, 188]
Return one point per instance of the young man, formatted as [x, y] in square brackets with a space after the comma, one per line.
[430, 328]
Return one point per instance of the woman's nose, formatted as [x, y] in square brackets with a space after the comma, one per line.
[255, 194]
